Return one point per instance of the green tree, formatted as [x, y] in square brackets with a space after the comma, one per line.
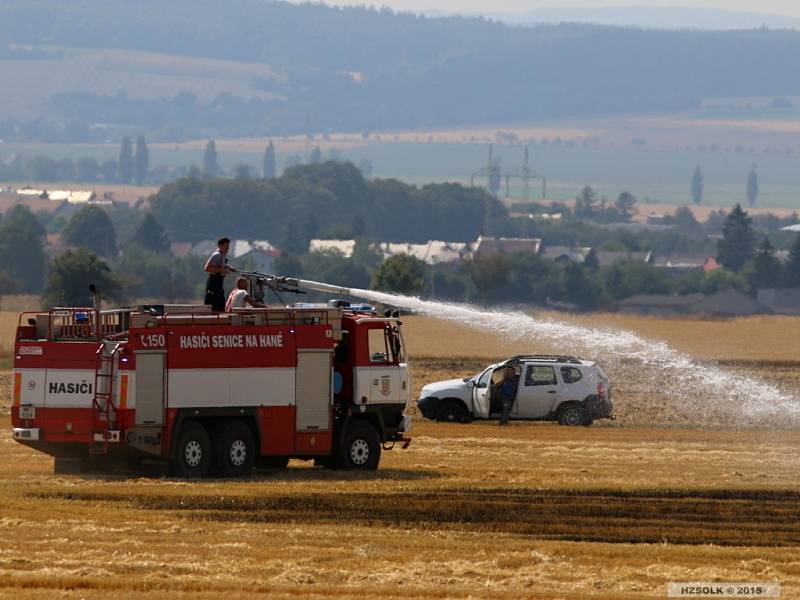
[402, 274]
[791, 276]
[66, 170]
[210, 164]
[579, 287]
[243, 172]
[737, 244]
[126, 162]
[8, 285]
[764, 271]
[722, 279]
[591, 261]
[149, 274]
[586, 203]
[697, 185]
[489, 274]
[110, 170]
[269, 169]
[332, 266]
[315, 157]
[685, 220]
[70, 276]
[87, 169]
[626, 205]
[752, 186]
[42, 168]
[150, 235]
[629, 278]
[142, 161]
[92, 228]
[22, 242]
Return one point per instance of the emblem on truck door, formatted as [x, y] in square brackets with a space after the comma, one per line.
[386, 385]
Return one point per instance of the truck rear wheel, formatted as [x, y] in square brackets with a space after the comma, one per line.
[234, 450]
[361, 448]
[192, 452]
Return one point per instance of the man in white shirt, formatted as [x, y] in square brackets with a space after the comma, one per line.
[239, 298]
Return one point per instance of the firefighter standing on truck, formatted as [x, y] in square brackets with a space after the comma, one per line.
[217, 267]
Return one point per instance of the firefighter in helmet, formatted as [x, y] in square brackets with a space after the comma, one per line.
[217, 267]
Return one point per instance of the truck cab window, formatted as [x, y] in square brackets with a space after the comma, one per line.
[384, 345]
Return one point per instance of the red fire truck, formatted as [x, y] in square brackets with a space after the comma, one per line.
[213, 394]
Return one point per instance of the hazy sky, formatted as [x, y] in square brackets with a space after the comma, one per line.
[779, 7]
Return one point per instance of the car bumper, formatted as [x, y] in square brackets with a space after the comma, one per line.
[427, 406]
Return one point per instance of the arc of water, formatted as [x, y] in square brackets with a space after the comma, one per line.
[703, 386]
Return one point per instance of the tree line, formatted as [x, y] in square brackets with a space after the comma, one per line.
[334, 200]
[132, 167]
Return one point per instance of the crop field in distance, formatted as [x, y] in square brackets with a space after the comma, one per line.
[616, 510]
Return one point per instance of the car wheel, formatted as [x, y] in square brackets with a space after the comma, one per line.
[361, 448]
[192, 452]
[452, 412]
[572, 415]
[235, 450]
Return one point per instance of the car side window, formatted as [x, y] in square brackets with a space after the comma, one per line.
[571, 374]
[540, 375]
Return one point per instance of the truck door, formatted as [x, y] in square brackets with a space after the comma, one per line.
[386, 378]
[538, 392]
[313, 389]
[150, 388]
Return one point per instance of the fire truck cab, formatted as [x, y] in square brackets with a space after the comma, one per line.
[211, 394]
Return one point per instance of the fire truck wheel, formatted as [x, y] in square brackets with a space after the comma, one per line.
[234, 450]
[361, 447]
[193, 451]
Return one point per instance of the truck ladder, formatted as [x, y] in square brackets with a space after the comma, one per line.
[103, 408]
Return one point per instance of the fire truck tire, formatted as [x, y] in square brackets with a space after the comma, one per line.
[192, 452]
[361, 447]
[234, 450]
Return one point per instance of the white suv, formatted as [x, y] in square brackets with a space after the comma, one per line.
[551, 388]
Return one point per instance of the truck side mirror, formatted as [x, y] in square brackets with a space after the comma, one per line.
[470, 384]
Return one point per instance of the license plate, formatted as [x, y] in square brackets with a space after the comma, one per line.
[27, 412]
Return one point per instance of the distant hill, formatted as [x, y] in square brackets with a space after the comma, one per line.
[658, 17]
[94, 69]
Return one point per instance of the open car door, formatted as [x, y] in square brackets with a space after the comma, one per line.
[481, 395]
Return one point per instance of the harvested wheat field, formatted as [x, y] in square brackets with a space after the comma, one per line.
[616, 510]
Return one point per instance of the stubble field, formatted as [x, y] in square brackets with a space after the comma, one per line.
[534, 510]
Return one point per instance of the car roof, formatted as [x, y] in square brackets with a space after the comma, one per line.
[544, 359]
